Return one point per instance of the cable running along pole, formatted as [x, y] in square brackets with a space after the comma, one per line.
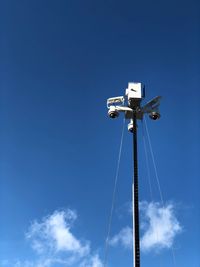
[130, 106]
[135, 200]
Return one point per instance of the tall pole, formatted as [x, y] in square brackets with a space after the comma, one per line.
[133, 96]
[136, 233]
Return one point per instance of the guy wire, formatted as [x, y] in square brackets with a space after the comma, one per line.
[158, 182]
[113, 197]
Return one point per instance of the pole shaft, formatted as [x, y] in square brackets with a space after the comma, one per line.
[136, 233]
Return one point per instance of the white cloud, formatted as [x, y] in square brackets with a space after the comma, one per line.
[47, 262]
[161, 228]
[90, 261]
[55, 244]
[124, 237]
[93, 261]
[158, 224]
[53, 234]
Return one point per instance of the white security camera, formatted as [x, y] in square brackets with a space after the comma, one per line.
[115, 101]
[154, 115]
[130, 127]
[113, 112]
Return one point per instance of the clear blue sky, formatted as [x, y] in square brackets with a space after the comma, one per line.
[60, 61]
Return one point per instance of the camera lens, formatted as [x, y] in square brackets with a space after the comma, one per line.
[113, 114]
[154, 115]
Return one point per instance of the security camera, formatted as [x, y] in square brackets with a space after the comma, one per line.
[130, 127]
[115, 100]
[113, 112]
[154, 115]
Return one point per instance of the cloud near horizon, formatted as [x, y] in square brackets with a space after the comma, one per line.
[53, 235]
[159, 228]
[55, 244]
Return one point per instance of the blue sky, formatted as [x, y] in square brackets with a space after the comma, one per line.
[60, 61]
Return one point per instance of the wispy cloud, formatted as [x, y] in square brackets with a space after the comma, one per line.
[55, 244]
[124, 237]
[93, 261]
[159, 227]
[53, 234]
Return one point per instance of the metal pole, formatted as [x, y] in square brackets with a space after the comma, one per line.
[136, 233]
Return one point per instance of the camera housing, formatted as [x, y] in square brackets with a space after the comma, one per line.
[113, 112]
[130, 127]
[154, 115]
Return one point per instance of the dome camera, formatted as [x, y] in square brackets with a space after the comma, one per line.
[113, 113]
[130, 127]
[154, 115]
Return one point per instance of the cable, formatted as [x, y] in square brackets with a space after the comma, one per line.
[154, 164]
[147, 163]
[158, 182]
[149, 176]
[113, 197]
